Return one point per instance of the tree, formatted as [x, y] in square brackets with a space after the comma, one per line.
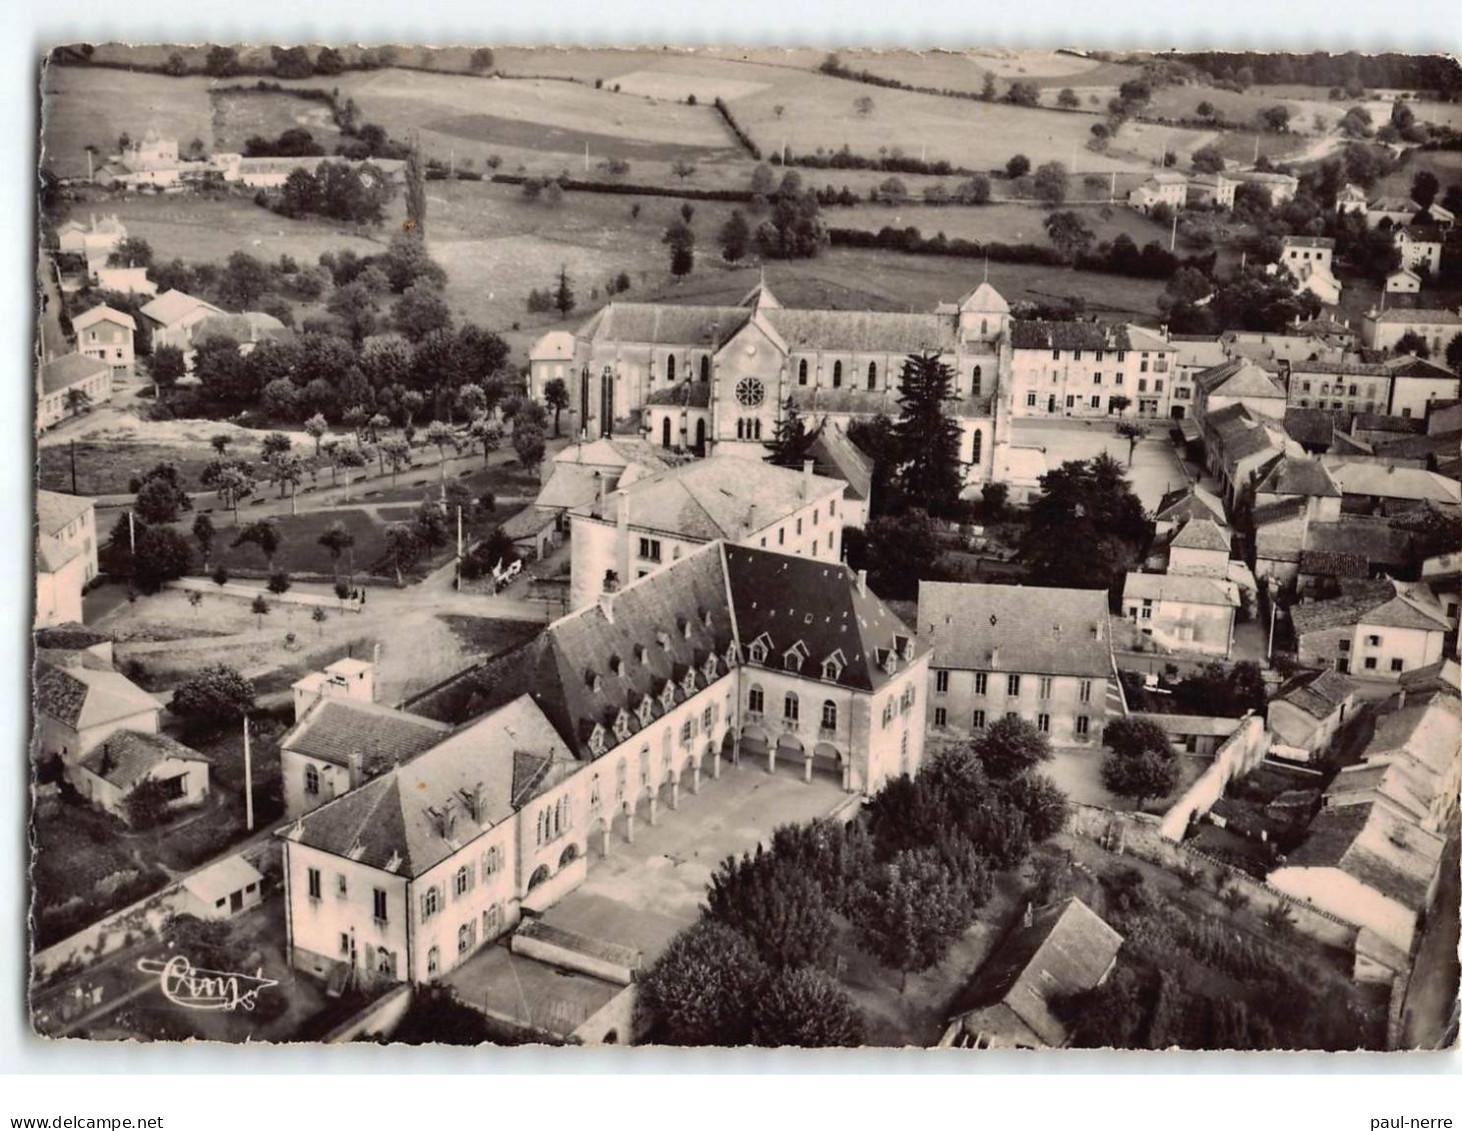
[203, 534]
[1067, 99]
[318, 616]
[77, 401]
[162, 555]
[863, 104]
[316, 427]
[556, 396]
[176, 65]
[336, 539]
[1018, 166]
[563, 294]
[928, 437]
[1275, 119]
[216, 696]
[1086, 503]
[243, 281]
[233, 481]
[1205, 109]
[481, 60]
[443, 436]
[683, 169]
[681, 240]
[159, 501]
[1011, 748]
[279, 582]
[1208, 159]
[778, 906]
[976, 190]
[165, 366]
[149, 802]
[1133, 431]
[528, 442]
[1050, 183]
[430, 524]
[1424, 187]
[134, 251]
[402, 548]
[791, 439]
[420, 310]
[1142, 763]
[702, 989]
[397, 452]
[263, 534]
[355, 305]
[260, 609]
[1454, 353]
[910, 911]
[735, 237]
[803, 1008]
[407, 262]
[415, 195]
[1068, 233]
[1120, 403]
[1413, 343]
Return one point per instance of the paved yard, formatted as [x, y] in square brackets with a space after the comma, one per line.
[1155, 469]
[645, 892]
[1078, 771]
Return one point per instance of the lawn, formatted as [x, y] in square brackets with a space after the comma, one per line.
[84, 106]
[966, 70]
[1004, 223]
[242, 114]
[104, 467]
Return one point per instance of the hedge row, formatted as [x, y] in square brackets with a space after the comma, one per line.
[570, 184]
[735, 127]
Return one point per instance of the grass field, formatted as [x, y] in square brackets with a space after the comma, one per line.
[966, 70]
[104, 468]
[95, 106]
[1006, 223]
[238, 116]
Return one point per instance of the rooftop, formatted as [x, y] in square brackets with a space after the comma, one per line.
[334, 729]
[70, 369]
[837, 457]
[1298, 475]
[1181, 588]
[1317, 694]
[1379, 849]
[102, 313]
[1032, 334]
[81, 697]
[216, 881]
[125, 757]
[55, 511]
[1015, 628]
[173, 306]
[1387, 481]
[1202, 534]
[1238, 377]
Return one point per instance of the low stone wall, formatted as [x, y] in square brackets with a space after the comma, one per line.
[379, 1018]
[1239, 754]
[1142, 836]
[249, 592]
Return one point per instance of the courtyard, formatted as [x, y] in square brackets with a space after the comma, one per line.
[1155, 470]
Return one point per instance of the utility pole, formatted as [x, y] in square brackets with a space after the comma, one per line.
[248, 781]
[1112, 191]
[132, 535]
[1173, 239]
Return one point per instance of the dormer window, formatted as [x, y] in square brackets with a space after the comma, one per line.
[706, 617]
[758, 652]
[622, 726]
[832, 667]
[639, 653]
[684, 626]
[663, 639]
[597, 740]
[731, 655]
[615, 665]
[667, 695]
[591, 680]
[904, 646]
[793, 657]
[645, 711]
[687, 684]
[710, 668]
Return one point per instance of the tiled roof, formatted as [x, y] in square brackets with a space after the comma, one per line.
[1333, 563]
[618, 452]
[1344, 368]
[1043, 631]
[1307, 241]
[1387, 481]
[814, 400]
[70, 369]
[528, 522]
[172, 306]
[1375, 539]
[1409, 365]
[1281, 510]
[1377, 848]
[1418, 316]
[1319, 694]
[863, 331]
[414, 816]
[1189, 502]
[1299, 475]
[125, 757]
[231, 874]
[1238, 377]
[1315, 426]
[249, 326]
[837, 457]
[572, 485]
[102, 313]
[720, 497]
[81, 697]
[1201, 534]
[984, 299]
[335, 728]
[1181, 588]
[1032, 334]
[1067, 949]
[663, 323]
[54, 511]
[1381, 422]
[1383, 603]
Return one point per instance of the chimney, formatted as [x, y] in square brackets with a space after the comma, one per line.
[862, 582]
[352, 764]
[477, 802]
[449, 819]
[807, 466]
[995, 657]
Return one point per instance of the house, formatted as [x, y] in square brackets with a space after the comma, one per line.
[1214, 190]
[1416, 384]
[223, 890]
[339, 743]
[94, 243]
[1376, 629]
[1044, 655]
[1181, 612]
[1076, 368]
[173, 316]
[124, 759]
[534, 532]
[1239, 446]
[679, 417]
[106, 335]
[551, 358]
[1403, 281]
[248, 329]
[834, 456]
[1383, 329]
[1351, 198]
[1058, 951]
[1310, 261]
[1238, 381]
[1413, 763]
[80, 703]
[1340, 386]
[1420, 246]
[588, 728]
[1371, 486]
[1281, 187]
[1301, 477]
[1391, 211]
[65, 556]
[1316, 340]
[1200, 549]
[1191, 355]
[1161, 188]
[70, 385]
[1178, 506]
[1307, 713]
[1314, 429]
[1442, 574]
[646, 525]
[1365, 865]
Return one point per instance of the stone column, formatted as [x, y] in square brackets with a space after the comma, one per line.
[695, 778]
[629, 828]
[771, 758]
[654, 810]
[807, 768]
[674, 793]
[716, 766]
[606, 839]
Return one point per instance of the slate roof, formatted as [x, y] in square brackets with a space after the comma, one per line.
[1333, 563]
[125, 757]
[1195, 350]
[1381, 422]
[837, 457]
[985, 299]
[1238, 377]
[572, 485]
[82, 697]
[721, 497]
[789, 598]
[396, 819]
[1280, 510]
[1314, 426]
[614, 451]
[1067, 949]
[1299, 475]
[1189, 502]
[1307, 241]
[687, 393]
[528, 522]
[1317, 694]
[1374, 538]
[1408, 365]
[1034, 334]
[1344, 368]
[1418, 316]
[1201, 534]
[334, 728]
[1042, 631]
[1179, 587]
[1383, 603]
[863, 331]
[70, 369]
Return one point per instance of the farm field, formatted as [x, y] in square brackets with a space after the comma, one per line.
[95, 105]
[1005, 223]
[966, 70]
[240, 115]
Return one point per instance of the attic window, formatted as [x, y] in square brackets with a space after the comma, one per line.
[615, 664]
[905, 646]
[591, 680]
[710, 668]
[622, 725]
[758, 652]
[663, 639]
[596, 739]
[706, 617]
[792, 658]
[688, 682]
[831, 669]
[684, 627]
[645, 711]
[667, 695]
[731, 655]
[639, 653]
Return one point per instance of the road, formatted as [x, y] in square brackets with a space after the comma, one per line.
[1431, 998]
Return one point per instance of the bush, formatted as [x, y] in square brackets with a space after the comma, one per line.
[279, 581]
[219, 575]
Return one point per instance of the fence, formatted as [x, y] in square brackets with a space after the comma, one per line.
[1142, 836]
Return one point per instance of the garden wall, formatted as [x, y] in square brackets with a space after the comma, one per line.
[1239, 754]
[379, 1018]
